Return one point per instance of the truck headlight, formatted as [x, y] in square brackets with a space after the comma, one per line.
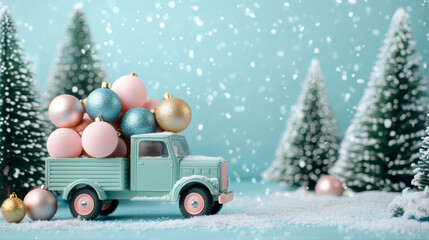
[224, 176]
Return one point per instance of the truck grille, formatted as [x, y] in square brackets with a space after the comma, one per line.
[224, 176]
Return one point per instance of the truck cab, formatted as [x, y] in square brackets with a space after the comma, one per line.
[160, 168]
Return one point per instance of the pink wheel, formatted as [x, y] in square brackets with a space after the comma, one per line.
[83, 204]
[194, 203]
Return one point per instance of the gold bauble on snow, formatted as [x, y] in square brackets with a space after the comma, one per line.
[13, 209]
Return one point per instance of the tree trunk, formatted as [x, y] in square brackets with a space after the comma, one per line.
[5, 188]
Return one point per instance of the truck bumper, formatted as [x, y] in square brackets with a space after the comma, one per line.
[226, 197]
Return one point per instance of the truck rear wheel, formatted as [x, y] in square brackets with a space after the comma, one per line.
[109, 207]
[216, 208]
[85, 204]
[196, 201]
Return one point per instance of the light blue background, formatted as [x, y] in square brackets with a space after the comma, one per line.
[253, 57]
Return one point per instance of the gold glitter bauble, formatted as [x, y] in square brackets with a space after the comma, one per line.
[13, 209]
[173, 114]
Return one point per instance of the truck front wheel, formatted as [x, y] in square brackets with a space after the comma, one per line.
[196, 201]
[85, 204]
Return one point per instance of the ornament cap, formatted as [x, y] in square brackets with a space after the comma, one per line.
[82, 102]
[105, 85]
[153, 111]
[133, 74]
[167, 96]
[119, 132]
[13, 195]
[99, 118]
[43, 187]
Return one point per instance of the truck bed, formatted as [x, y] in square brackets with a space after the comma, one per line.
[111, 174]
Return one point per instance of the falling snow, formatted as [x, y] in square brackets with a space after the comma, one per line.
[198, 21]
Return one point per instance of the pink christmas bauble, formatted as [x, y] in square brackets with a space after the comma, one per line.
[329, 185]
[65, 111]
[86, 120]
[151, 103]
[41, 204]
[131, 91]
[99, 139]
[121, 149]
[64, 143]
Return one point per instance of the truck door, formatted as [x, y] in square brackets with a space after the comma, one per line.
[154, 167]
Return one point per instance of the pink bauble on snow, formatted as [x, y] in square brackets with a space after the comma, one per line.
[41, 204]
[151, 103]
[64, 143]
[86, 120]
[131, 91]
[329, 185]
[65, 111]
[121, 149]
[99, 139]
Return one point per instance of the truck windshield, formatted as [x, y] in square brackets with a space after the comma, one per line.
[180, 147]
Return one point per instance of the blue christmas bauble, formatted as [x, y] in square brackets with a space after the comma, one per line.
[138, 121]
[103, 102]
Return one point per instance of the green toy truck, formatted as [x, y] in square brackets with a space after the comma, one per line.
[160, 168]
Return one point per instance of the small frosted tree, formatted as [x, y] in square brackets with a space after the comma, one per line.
[77, 69]
[413, 204]
[22, 130]
[384, 137]
[421, 177]
[309, 146]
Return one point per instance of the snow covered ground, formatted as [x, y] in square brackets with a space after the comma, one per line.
[259, 211]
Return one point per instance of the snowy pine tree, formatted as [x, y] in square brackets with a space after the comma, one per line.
[421, 177]
[77, 69]
[22, 130]
[309, 146]
[384, 137]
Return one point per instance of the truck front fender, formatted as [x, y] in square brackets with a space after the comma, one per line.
[84, 183]
[212, 184]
